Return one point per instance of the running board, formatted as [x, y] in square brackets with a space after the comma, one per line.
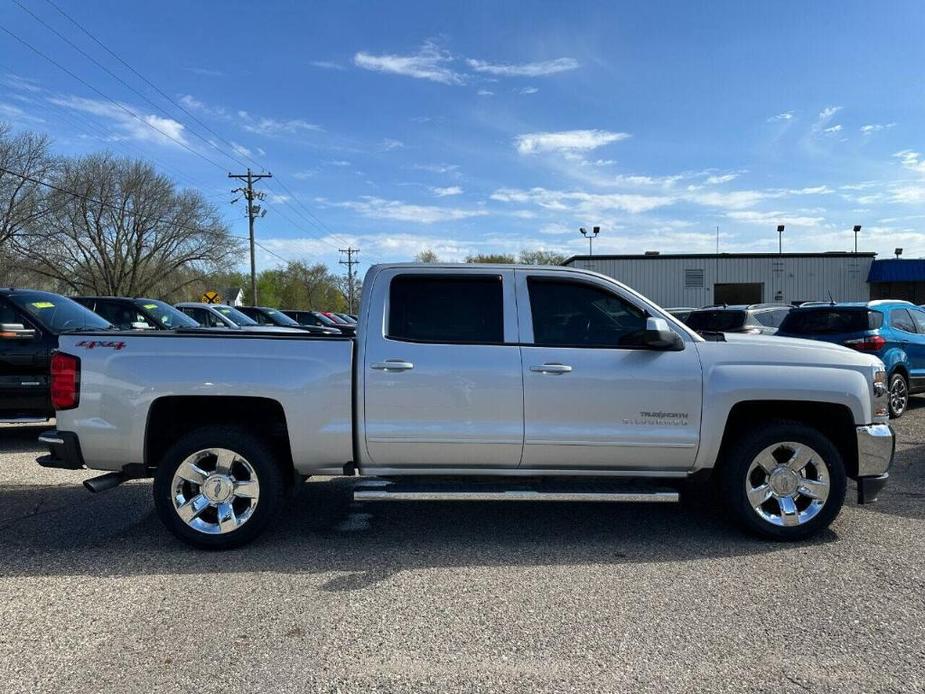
[385, 491]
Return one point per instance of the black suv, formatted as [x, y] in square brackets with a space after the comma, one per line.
[317, 318]
[137, 314]
[752, 319]
[30, 322]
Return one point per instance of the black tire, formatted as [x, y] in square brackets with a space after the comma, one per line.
[734, 478]
[259, 457]
[901, 384]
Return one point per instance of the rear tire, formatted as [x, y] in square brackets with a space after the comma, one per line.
[218, 487]
[898, 396]
[785, 481]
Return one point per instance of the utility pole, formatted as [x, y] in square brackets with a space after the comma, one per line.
[253, 211]
[350, 262]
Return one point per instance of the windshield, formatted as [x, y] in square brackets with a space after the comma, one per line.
[279, 317]
[165, 315]
[716, 321]
[830, 321]
[235, 316]
[58, 313]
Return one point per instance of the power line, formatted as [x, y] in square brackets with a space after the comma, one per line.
[111, 100]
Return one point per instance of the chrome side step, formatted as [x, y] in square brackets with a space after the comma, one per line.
[385, 491]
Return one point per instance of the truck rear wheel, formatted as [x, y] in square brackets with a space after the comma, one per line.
[218, 487]
[784, 482]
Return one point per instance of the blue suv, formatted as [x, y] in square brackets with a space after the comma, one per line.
[894, 331]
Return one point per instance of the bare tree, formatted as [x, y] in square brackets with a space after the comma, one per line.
[503, 258]
[541, 257]
[22, 157]
[115, 226]
[426, 256]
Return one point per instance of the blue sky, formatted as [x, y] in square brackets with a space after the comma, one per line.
[489, 127]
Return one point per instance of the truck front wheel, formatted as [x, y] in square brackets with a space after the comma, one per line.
[784, 482]
[218, 487]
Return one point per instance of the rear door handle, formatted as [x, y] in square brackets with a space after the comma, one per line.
[392, 365]
[551, 368]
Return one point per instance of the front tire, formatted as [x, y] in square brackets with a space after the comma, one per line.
[784, 482]
[218, 487]
[899, 395]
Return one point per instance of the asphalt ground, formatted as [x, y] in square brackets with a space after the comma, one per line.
[96, 596]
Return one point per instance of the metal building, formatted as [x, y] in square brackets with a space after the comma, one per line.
[701, 279]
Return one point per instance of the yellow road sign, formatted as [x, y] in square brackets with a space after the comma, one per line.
[211, 297]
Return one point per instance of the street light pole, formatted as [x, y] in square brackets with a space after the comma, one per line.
[857, 228]
[590, 235]
[780, 239]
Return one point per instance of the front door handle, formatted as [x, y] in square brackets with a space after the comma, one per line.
[551, 368]
[392, 365]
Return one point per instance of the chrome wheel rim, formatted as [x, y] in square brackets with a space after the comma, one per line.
[787, 484]
[215, 491]
[898, 395]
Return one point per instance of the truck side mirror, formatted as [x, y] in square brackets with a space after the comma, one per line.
[659, 336]
[16, 331]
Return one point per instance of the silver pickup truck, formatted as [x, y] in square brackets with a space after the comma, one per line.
[475, 382]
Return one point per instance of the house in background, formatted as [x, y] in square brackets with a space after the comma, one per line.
[233, 297]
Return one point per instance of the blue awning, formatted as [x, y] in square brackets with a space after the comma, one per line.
[897, 270]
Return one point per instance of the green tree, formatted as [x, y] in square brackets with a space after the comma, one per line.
[426, 256]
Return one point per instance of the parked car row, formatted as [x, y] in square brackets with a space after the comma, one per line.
[893, 331]
[31, 322]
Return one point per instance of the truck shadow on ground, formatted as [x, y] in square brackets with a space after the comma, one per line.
[21, 438]
[64, 530]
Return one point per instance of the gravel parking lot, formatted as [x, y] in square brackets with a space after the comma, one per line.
[95, 595]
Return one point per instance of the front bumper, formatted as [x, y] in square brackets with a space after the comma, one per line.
[876, 446]
[63, 450]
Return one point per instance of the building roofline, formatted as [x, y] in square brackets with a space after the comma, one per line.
[710, 256]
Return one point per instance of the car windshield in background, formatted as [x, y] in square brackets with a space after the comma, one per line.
[58, 313]
[165, 314]
[716, 321]
[281, 318]
[235, 316]
[830, 321]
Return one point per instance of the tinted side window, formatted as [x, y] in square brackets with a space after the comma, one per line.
[446, 309]
[772, 319]
[582, 315]
[919, 317]
[901, 320]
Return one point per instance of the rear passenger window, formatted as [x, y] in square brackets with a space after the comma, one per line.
[901, 320]
[772, 319]
[424, 308]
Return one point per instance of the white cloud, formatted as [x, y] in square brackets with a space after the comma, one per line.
[191, 103]
[240, 149]
[326, 65]
[20, 83]
[396, 210]
[911, 160]
[205, 71]
[828, 112]
[445, 192]
[723, 178]
[736, 199]
[832, 130]
[304, 174]
[875, 128]
[275, 127]
[527, 90]
[437, 168]
[785, 116]
[566, 140]
[141, 126]
[811, 190]
[15, 114]
[585, 203]
[339, 162]
[770, 218]
[429, 63]
[279, 199]
[538, 69]
[388, 144]
[485, 92]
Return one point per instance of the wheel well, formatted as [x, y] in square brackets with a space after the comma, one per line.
[173, 416]
[900, 368]
[834, 421]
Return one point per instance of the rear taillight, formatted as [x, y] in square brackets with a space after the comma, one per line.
[874, 343]
[65, 381]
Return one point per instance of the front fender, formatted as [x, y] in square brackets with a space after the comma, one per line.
[727, 385]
